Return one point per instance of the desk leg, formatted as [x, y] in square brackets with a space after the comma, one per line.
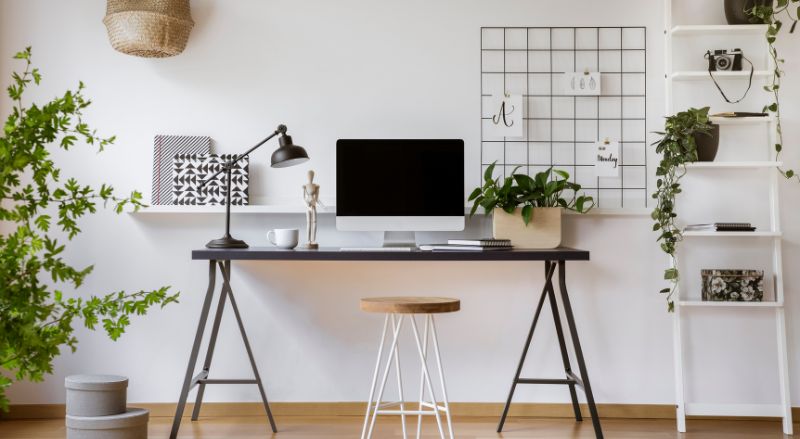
[198, 338]
[587, 388]
[563, 346]
[548, 285]
[226, 287]
[212, 343]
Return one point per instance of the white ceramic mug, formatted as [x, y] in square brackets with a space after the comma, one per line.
[284, 238]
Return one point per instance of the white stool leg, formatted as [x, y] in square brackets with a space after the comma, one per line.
[422, 378]
[400, 385]
[375, 377]
[392, 352]
[427, 377]
[441, 375]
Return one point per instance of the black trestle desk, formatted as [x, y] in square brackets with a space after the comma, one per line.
[220, 260]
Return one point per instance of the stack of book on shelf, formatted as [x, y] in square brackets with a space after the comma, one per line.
[720, 227]
[740, 114]
[469, 245]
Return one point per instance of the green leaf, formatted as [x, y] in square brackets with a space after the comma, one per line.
[562, 174]
[527, 214]
[671, 273]
[474, 208]
[488, 174]
[475, 194]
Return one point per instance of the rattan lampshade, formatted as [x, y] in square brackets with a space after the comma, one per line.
[148, 28]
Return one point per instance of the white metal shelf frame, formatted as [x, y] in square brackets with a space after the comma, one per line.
[684, 408]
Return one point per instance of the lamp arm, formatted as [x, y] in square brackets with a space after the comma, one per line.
[281, 130]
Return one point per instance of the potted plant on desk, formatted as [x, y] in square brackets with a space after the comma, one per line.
[527, 210]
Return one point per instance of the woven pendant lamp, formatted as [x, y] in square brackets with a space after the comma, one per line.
[148, 28]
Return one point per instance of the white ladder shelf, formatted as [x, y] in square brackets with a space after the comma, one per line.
[684, 306]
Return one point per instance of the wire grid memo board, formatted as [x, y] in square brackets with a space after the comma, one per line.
[561, 130]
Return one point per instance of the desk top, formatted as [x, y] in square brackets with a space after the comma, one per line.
[335, 254]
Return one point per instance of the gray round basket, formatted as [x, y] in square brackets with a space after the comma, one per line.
[148, 28]
[129, 425]
[96, 395]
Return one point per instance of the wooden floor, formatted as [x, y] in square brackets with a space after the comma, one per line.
[339, 427]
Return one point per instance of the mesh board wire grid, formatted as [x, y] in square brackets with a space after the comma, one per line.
[561, 130]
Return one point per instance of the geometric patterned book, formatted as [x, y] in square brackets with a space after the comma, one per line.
[190, 170]
[165, 148]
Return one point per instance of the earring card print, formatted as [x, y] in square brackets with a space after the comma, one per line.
[190, 170]
[506, 117]
[582, 83]
[607, 159]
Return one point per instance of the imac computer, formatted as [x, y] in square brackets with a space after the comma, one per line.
[399, 187]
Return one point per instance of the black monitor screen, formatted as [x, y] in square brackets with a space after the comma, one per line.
[399, 177]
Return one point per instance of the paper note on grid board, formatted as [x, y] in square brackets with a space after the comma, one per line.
[581, 83]
[506, 117]
[607, 159]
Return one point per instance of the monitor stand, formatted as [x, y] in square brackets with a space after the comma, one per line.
[399, 239]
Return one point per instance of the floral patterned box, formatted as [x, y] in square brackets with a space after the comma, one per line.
[733, 285]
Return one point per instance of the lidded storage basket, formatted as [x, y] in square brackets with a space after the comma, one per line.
[96, 395]
[148, 28]
[131, 424]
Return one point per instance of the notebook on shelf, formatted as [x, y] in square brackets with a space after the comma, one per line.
[486, 242]
[450, 247]
[740, 114]
[720, 227]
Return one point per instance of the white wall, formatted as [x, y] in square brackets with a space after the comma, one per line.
[361, 68]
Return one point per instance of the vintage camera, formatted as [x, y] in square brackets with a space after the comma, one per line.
[725, 60]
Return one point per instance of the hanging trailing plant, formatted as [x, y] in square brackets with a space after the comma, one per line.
[774, 17]
[677, 146]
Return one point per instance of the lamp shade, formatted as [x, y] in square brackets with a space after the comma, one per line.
[288, 154]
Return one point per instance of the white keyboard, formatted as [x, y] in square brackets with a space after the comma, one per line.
[375, 249]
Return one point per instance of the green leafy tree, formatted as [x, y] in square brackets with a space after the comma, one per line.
[37, 313]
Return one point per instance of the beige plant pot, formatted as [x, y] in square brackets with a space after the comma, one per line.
[544, 230]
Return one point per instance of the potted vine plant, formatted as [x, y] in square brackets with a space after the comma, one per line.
[737, 11]
[774, 17]
[39, 300]
[527, 210]
[678, 146]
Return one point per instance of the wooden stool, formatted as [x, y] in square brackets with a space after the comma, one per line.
[396, 309]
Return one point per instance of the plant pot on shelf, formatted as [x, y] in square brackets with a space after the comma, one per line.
[543, 231]
[736, 10]
[707, 144]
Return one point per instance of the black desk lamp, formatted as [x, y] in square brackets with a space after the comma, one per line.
[287, 155]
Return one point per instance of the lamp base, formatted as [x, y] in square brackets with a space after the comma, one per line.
[227, 241]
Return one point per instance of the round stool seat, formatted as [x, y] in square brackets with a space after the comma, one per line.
[410, 305]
